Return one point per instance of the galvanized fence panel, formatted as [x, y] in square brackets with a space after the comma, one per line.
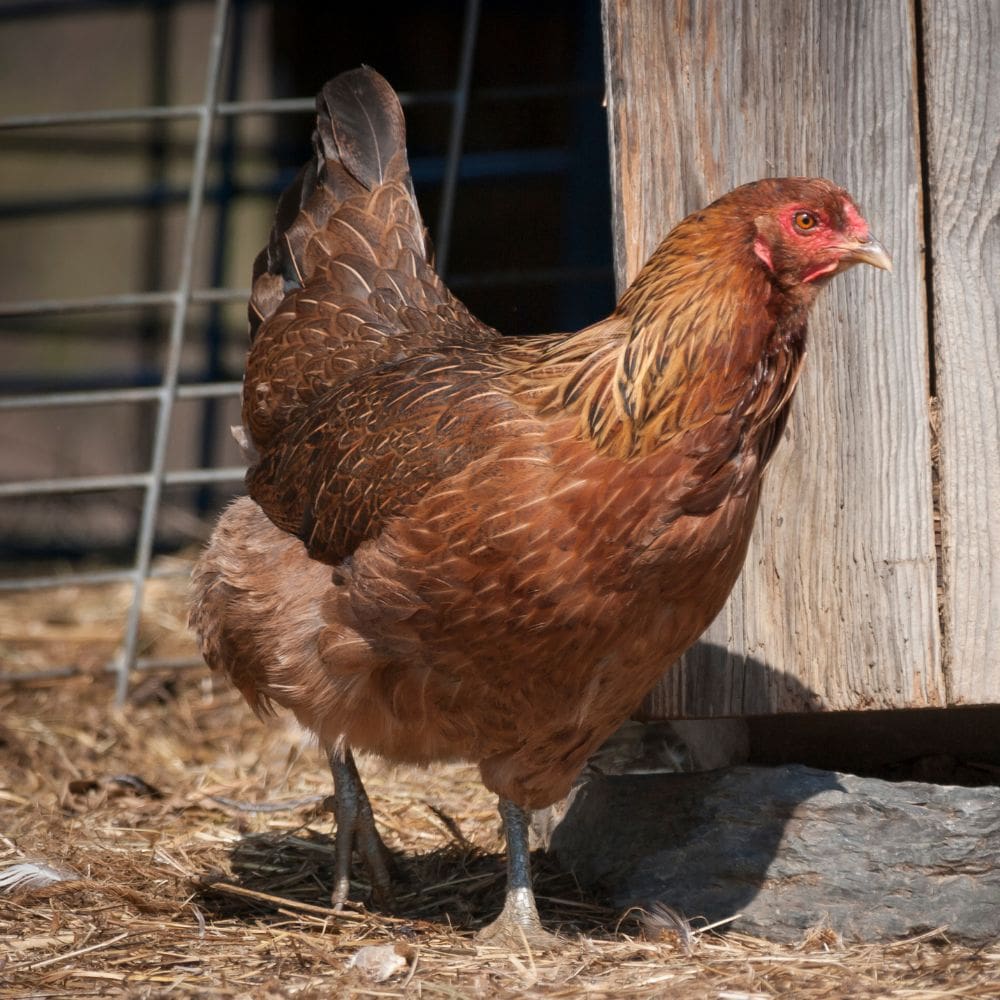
[179, 300]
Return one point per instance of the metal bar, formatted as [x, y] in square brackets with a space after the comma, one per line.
[125, 300]
[214, 331]
[459, 109]
[114, 200]
[221, 295]
[498, 164]
[172, 112]
[278, 106]
[85, 397]
[534, 91]
[118, 481]
[137, 299]
[199, 477]
[91, 579]
[147, 527]
[41, 8]
[536, 276]
[160, 33]
[169, 663]
[204, 390]
[168, 572]
[49, 674]
[103, 397]
[75, 484]
[143, 663]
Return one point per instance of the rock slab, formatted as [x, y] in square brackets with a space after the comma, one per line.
[790, 848]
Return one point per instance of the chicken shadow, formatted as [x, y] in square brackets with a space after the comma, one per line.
[700, 842]
[458, 886]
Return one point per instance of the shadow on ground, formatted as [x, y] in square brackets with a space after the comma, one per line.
[457, 886]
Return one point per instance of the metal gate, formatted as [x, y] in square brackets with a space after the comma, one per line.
[203, 193]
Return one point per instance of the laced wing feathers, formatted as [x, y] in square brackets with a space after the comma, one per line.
[376, 444]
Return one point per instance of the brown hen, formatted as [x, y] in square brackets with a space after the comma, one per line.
[463, 546]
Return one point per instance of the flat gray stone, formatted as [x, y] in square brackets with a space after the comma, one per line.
[789, 848]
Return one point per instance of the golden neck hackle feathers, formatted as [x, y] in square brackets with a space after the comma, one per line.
[702, 332]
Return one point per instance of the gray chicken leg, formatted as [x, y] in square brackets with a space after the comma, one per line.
[355, 828]
[518, 922]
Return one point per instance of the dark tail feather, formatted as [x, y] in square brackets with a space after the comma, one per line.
[361, 126]
[359, 146]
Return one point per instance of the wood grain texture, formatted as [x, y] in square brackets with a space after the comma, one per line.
[836, 608]
[962, 62]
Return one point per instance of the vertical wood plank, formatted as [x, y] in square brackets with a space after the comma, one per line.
[962, 61]
[837, 606]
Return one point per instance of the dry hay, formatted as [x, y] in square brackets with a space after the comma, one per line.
[172, 891]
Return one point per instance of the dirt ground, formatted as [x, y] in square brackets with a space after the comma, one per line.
[169, 885]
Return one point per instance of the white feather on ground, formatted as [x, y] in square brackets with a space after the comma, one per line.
[34, 875]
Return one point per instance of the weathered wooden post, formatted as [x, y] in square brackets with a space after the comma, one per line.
[962, 80]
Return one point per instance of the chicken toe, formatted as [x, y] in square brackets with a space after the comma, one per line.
[356, 829]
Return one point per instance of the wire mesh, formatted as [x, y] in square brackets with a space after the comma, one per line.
[170, 388]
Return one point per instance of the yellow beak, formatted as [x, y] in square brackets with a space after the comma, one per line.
[869, 251]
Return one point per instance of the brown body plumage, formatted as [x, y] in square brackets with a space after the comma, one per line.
[466, 546]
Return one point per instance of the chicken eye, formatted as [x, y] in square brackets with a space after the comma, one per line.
[804, 221]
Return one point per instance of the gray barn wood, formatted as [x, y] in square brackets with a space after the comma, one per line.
[837, 607]
[962, 42]
[792, 848]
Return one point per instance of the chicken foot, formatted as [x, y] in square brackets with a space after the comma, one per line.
[518, 923]
[355, 828]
